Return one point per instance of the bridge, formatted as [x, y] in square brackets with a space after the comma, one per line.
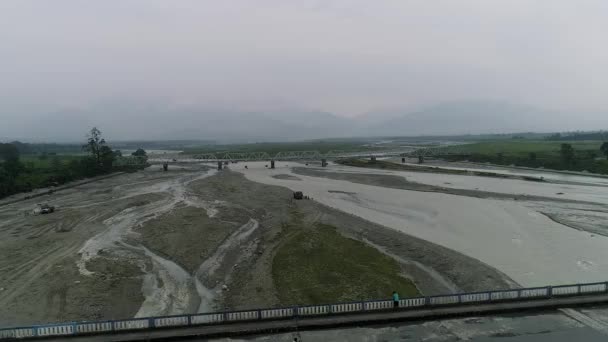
[256, 321]
[411, 152]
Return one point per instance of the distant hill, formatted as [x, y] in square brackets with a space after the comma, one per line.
[467, 118]
[483, 117]
[128, 122]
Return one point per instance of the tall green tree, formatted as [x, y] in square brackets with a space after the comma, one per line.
[100, 153]
[95, 146]
[604, 148]
[139, 153]
[107, 157]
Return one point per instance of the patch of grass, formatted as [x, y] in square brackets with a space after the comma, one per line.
[318, 265]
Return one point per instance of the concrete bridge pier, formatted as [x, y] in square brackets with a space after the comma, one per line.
[323, 162]
[373, 159]
[272, 164]
[219, 165]
[420, 159]
[403, 160]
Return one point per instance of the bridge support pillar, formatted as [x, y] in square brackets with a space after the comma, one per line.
[420, 159]
[373, 159]
[403, 160]
[272, 164]
[219, 165]
[323, 162]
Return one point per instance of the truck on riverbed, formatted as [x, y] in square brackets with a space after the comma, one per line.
[47, 209]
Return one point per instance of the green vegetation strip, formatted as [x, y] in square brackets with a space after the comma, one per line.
[525, 147]
[318, 265]
[381, 164]
[558, 155]
[24, 173]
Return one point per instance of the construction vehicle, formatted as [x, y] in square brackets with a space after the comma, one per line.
[46, 209]
[298, 195]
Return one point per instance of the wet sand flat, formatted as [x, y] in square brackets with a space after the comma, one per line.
[591, 191]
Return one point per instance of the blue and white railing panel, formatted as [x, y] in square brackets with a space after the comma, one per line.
[346, 307]
[504, 295]
[84, 328]
[591, 288]
[206, 319]
[313, 310]
[18, 333]
[378, 305]
[56, 330]
[132, 324]
[412, 302]
[565, 290]
[534, 292]
[443, 300]
[276, 313]
[171, 321]
[475, 297]
[243, 315]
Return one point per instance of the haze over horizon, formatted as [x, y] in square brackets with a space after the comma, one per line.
[271, 69]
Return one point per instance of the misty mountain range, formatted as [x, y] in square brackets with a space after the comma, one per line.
[157, 123]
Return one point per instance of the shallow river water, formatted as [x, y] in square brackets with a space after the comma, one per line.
[508, 235]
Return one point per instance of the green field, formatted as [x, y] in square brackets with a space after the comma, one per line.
[33, 172]
[586, 155]
[527, 146]
[36, 162]
[318, 265]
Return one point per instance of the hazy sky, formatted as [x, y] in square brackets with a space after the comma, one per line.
[346, 57]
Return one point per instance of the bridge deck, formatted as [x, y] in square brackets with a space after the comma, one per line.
[326, 322]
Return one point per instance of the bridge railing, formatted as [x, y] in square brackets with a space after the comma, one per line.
[214, 318]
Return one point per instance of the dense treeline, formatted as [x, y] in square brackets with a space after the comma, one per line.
[28, 148]
[579, 136]
[566, 158]
[21, 172]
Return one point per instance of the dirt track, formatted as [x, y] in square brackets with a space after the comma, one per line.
[39, 277]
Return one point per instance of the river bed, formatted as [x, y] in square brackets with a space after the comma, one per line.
[523, 243]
